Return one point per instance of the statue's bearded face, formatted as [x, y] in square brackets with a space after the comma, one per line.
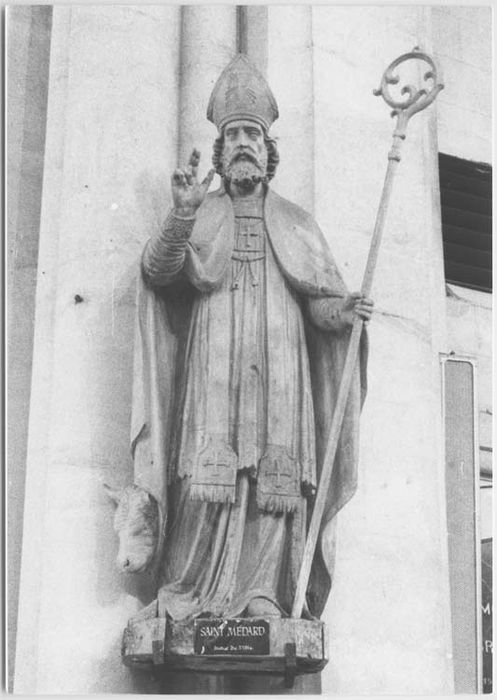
[244, 156]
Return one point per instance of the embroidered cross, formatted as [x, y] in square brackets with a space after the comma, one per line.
[277, 473]
[217, 462]
[247, 233]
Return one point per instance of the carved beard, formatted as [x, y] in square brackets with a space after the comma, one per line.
[245, 171]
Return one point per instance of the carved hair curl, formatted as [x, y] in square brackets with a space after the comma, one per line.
[273, 157]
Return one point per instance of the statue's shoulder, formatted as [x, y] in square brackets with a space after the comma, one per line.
[290, 212]
[214, 202]
[216, 196]
[214, 214]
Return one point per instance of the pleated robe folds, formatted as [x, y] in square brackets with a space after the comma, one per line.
[209, 544]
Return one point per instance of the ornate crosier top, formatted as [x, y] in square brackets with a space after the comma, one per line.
[416, 99]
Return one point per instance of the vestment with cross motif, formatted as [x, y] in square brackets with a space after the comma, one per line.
[254, 354]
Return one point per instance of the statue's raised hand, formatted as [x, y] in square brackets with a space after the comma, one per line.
[188, 192]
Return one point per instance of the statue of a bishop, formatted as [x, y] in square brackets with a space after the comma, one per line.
[243, 326]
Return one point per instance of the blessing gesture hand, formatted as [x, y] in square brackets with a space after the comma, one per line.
[188, 192]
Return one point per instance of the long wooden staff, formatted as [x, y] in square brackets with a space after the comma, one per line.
[403, 109]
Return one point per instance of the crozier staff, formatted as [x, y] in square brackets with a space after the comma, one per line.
[243, 327]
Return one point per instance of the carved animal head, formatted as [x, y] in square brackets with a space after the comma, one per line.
[136, 522]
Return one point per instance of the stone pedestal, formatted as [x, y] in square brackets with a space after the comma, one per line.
[284, 650]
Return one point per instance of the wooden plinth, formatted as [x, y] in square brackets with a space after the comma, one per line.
[295, 647]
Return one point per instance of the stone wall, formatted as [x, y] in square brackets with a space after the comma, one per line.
[462, 40]
[111, 143]
[388, 610]
[28, 48]
[127, 97]
[469, 325]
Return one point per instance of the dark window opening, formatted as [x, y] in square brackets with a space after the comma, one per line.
[466, 198]
[486, 608]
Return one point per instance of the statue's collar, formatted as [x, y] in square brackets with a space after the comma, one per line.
[222, 190]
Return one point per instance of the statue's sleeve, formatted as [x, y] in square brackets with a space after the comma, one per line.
[164, 254]
[325, 313]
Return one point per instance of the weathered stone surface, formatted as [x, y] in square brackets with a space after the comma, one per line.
[116, 123]
[28, 41]
[462, 42]
[110, 134]
[389, 603]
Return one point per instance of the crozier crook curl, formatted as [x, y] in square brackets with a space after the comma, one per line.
[416, 98]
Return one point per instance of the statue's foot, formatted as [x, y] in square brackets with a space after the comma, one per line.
[263, 607]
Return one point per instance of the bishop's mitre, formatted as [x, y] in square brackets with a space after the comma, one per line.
[242, 92]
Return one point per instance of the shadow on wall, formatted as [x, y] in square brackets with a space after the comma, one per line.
[118, 595]
[111, 343]
[136, 682]
[153, 199]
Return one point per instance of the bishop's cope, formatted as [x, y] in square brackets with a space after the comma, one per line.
[243, 325]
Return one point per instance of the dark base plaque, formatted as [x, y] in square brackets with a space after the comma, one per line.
[219, 637]
[281, 646]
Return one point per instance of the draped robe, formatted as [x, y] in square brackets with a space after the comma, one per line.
[239, 356]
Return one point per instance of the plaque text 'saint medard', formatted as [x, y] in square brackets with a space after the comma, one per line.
[240, 631]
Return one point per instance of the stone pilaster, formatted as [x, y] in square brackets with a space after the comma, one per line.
[28, 41]
[208, 43]
[110, 147]
[290, 75]
[389, 607]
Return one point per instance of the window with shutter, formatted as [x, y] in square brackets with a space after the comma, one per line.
[466, 199]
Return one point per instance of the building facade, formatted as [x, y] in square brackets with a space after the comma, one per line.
[103, 103]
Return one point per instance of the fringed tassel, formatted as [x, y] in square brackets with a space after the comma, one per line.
[212, 493]
[274, 503]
